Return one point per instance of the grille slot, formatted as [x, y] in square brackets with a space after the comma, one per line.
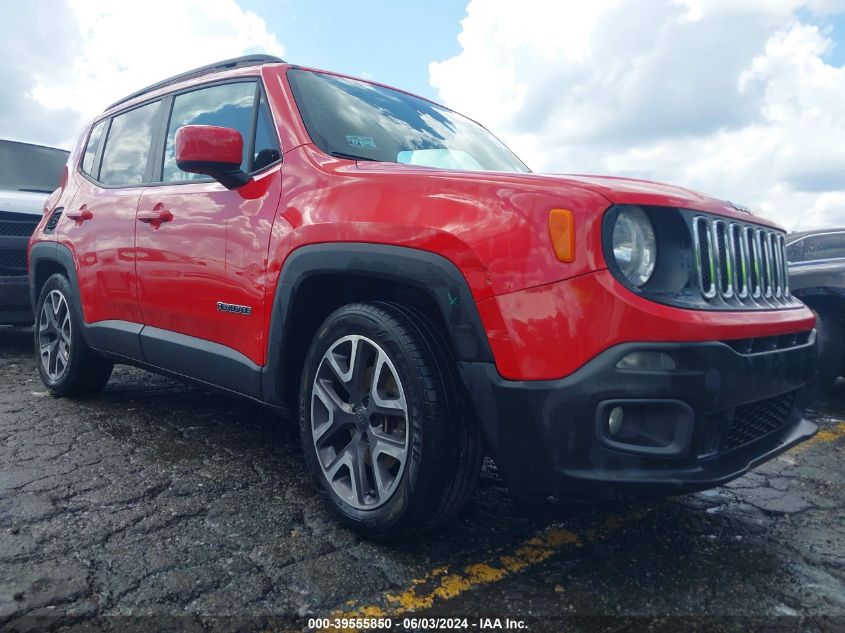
[766, 252]
[724, 266]
[740, 256]
[776, 343]
[754, 421]
[740, 264]
[704, 257]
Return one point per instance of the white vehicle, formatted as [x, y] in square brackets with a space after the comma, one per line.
[28, 175]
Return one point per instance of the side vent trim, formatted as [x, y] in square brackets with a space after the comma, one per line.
[54, 220]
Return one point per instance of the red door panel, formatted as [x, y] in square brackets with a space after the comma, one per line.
[181, 263]
[185, 268]
[99, 228]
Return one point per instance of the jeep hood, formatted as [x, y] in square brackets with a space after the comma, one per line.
[615, 190]
[647, 192]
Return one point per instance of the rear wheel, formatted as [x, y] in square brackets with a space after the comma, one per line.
[68, 367]
[385, 429]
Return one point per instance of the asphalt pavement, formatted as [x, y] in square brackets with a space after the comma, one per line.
[161, 506]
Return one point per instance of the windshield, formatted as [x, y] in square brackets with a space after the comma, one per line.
[25, 167]
[355, 119]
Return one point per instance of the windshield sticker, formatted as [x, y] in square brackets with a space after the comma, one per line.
[366, 142]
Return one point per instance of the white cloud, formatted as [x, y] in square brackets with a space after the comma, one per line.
[67, 60]
[732, 97]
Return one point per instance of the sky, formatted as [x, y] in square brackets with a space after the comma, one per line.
[741, 99]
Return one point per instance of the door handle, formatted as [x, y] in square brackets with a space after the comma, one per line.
[155, 217]
[80, 215]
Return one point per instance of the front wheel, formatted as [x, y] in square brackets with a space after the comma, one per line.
[384, 424]
[68, 367]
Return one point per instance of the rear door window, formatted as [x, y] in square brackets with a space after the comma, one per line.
[127, 147]
[226, 105]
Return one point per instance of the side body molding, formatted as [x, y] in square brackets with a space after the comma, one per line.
[186, 357]
[428, 272]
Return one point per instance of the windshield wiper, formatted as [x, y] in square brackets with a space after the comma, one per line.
[352, 156]
[37, 190]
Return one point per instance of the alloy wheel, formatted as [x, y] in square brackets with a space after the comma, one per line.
[54, 335]
[359, 422]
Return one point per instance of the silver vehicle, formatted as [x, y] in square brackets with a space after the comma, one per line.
[817, 277]
[28, 175]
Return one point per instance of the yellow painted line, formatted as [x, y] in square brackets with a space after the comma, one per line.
[828, 434]
[442, 583]
[825, 434]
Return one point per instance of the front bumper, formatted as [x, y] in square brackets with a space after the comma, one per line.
[15, 307]
[719, 413]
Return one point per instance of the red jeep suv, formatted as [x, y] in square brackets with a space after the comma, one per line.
[389, 272]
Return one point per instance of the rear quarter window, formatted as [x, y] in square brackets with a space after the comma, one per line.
[91, 148]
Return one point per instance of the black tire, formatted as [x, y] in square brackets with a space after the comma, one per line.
[830, 339]
[78, 371]
[444, 451]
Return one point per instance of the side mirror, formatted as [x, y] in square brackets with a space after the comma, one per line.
[212, 151]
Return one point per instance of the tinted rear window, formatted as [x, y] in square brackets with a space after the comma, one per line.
[26, 167]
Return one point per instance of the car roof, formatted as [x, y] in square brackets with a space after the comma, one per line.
[221, 66]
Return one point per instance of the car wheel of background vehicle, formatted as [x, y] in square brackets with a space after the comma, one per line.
[68, 367]
[385, 428]
[830, 338]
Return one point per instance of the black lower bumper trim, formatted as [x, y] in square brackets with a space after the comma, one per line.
[713, 417]
[15, 307]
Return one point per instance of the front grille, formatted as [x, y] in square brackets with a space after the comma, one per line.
[740, 264]
[753, 421]
[12, 262]
[18, 227]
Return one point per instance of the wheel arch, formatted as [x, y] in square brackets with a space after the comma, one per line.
[45, 260]
[317, 279]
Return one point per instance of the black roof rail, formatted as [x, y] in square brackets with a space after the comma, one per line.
[226, 64]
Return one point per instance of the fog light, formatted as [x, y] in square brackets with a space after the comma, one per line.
[655, 361]
[614, 420]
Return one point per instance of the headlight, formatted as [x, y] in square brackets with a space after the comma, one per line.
[634, 246]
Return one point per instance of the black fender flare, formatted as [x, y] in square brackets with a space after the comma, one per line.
[55, 253]
[433, 274]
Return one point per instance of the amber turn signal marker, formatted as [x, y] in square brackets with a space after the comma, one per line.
[562, 234]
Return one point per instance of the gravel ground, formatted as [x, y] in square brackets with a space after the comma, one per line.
[159, 505]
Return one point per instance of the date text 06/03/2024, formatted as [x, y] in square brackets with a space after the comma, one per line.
[416, 624]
